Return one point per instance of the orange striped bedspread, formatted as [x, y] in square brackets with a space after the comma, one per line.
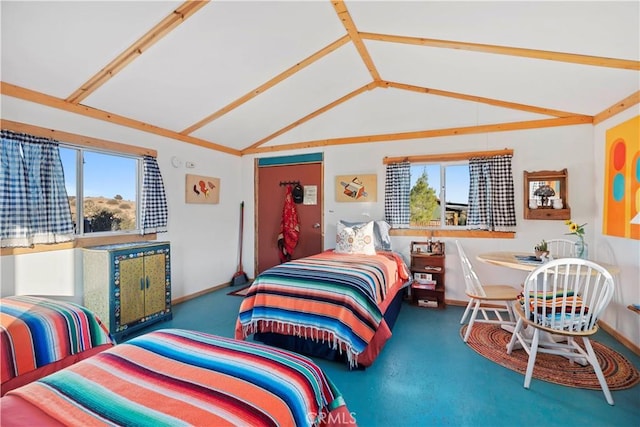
[174, 377]
[35, 332]
[335, 298]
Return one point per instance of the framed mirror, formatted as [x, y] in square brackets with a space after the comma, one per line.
[546, 195]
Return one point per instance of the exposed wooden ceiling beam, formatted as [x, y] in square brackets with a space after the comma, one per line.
[350, 26]
[53, 102]
[596, 61]
[314, 114]
[500, 127]
[74, 138]
[618, 107]
[264, 87]
[489, 101]
[165, 26]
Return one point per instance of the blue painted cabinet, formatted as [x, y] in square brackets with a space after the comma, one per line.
[128, 285]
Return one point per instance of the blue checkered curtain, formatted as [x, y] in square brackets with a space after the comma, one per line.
[34, 207]
[397, 187]
[491, 194]
[154, 212]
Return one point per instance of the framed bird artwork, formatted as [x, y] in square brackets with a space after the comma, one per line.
[202, 189]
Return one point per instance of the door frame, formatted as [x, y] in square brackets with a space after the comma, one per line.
[284, 161]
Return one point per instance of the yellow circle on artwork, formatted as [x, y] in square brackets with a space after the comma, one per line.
[637, 205]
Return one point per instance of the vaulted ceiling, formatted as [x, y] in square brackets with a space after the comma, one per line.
[260, 76]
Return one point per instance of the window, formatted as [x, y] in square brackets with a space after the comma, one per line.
[428, 192]
[439, 196]
[76, 171]
[108, 186]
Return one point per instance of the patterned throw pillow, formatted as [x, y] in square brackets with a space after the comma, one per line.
[355, 240]
[381, 238]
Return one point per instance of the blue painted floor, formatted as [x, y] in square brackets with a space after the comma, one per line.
[427, 376]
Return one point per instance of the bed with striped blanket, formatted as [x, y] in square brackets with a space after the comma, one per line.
[175, 377]
[39, 336]
[338, 301]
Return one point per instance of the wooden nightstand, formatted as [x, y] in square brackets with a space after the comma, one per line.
[427, 265]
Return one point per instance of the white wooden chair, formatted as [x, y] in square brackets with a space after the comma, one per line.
[563, 297]
[561, 248]
[492, 301]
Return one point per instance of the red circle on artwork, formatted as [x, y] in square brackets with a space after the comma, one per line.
[619, 153]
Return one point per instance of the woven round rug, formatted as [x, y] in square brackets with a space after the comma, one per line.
[491, 341]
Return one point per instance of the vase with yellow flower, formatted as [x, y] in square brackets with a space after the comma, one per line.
[581, 248]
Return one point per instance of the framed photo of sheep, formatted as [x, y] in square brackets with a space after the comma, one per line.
[202, 189]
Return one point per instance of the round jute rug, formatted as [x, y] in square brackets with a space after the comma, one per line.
[491, 341]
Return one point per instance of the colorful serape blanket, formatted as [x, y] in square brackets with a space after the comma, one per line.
[328, 297]
[37, 331]
[552, 302]
[174, 377]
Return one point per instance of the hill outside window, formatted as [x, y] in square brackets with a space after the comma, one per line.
[120, 193]
[106, 185]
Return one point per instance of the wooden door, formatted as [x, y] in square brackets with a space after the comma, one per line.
[131, 289]
[155, 276]
[270, 197]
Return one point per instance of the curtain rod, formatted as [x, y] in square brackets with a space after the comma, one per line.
[76, 139]
[446, 157]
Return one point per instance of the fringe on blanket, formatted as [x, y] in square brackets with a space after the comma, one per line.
[308, 332]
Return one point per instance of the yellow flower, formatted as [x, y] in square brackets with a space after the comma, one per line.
[575, 229]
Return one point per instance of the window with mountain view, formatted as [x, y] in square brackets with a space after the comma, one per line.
[107, 185]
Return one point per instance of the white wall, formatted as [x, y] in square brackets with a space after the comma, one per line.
[204, 238]
[623, 252]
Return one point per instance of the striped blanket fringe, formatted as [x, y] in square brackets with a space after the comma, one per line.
[308, 332]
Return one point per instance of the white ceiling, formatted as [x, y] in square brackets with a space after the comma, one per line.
[228, 49]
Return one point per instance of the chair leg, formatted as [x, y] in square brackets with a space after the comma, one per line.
[533, 352]
[472, 320]
[466, 311]
[596, 367]
[510, 313]
[514, 336]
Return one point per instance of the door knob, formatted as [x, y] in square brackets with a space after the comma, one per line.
[316, 225]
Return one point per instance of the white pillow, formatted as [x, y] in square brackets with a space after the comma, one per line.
[355, 239]
[381, 238]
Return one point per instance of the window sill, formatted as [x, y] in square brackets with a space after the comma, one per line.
[81, 242]
[427, 232]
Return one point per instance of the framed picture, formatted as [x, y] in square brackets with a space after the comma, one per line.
[419, 248]
[356, 188]
[202, 189]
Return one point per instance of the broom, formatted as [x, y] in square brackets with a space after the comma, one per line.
[240, 277]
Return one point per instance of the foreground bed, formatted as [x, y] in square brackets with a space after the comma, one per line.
[177, 377]
[39, 336]
[331, 305]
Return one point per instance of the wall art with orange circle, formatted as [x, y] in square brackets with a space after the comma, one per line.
[621, 215]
